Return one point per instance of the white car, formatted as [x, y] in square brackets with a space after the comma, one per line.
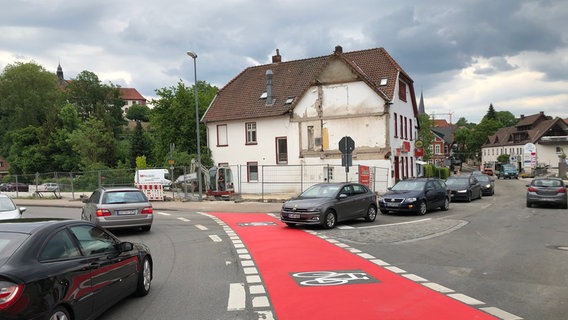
[8, 210]
[48, 186]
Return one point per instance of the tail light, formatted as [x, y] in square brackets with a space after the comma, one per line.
[9, 293]
[532, 189]
[148, 210]
[561, 190]
[103, 212]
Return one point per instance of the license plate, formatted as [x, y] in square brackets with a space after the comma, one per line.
[389, 204]
[294, 216]
[126, 212]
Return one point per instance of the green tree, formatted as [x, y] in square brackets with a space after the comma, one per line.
[25, 153]
[28, 95]
[173, 119]
[425, 134]
[491, 113]
[506, 118]
[94, 143]
[138, 112]
[140, 143]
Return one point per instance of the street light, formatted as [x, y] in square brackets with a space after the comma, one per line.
[194, 56]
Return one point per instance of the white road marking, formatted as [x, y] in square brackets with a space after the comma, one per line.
[466, 299]
[414, 277]
[184, 219]
[437, 287]
[215, 238]
[394, 224]
[163, 213]
[237, 297]
[260, 302]
[504, 315]
[200, 227]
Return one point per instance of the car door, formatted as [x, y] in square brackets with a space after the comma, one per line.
[90, 207]
[346, 204]
[476, 186]
[434, 194]
[361, 200]
[113, 274]
[68, 273]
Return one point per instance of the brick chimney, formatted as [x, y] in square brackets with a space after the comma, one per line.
[338, 50]
[277, 58]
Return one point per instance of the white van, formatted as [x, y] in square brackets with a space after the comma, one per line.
[153, 176]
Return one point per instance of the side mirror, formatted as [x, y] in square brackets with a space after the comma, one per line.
[342, 196]
[125, 246]
[23, 209]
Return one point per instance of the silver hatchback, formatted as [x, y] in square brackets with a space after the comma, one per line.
[547, 191]
[118, 207]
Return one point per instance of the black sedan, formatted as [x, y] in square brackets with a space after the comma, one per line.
[325, 204]
[465, 188]
[487, 184]
[67, 269]
[415, 195]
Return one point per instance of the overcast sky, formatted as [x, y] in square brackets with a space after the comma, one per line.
[462, 54]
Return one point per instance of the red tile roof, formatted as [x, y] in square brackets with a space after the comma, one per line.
[241, 97]
[131, 94]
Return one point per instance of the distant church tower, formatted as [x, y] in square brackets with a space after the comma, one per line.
[421, 104]
[60, 77]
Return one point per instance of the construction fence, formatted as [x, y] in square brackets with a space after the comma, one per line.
[262, 181]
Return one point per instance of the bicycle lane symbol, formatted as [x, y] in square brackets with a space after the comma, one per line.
[332, 278]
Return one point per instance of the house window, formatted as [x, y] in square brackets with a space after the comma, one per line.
[437, 149]
[402, 91]
[281, 150]
[410, 120]
[401, 128]
[252, 171]
[311, 138]
[251, 132]
[222, 135]
[395, 126]
[405, 128]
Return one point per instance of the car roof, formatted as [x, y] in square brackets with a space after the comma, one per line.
[124, 188]
[31, 225]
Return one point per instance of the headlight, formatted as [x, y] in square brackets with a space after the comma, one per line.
[410, 200]
[462, 191]
[314, 209]
[488, 186]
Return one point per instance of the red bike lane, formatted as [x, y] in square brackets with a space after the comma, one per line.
[310, 278]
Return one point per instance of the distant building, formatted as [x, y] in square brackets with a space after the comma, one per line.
[131, 96]
[535, 140]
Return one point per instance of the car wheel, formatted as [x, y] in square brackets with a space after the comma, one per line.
[446, 205]
[59, 313]
[291, 225]
[329, 219]
[529, 204]
[480, 195]
[83, 216]
[468, 197]
[371, 214]
[146, 228]
[422, 208]
[144, 278]
[564, 205]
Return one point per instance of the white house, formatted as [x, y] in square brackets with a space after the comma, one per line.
[287, 114]
[536, 140]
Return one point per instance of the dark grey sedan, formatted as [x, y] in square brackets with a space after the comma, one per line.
[465, 188]
[325, 204]
[547, 191]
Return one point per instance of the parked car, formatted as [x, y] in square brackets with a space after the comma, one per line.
[551, 191]
[415, 195]
[48, 186]
[67, 269]
[488, 171]
[508, 171]
[118, 207]
[465, 187]
[325, 204]
[487, 184]
[8, 210]
[13, 186]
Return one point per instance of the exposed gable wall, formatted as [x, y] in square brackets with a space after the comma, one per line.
[337, 72]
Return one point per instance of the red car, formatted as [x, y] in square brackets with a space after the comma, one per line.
[22, 187]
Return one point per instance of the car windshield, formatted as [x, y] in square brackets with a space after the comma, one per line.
[6, 204]
[321, 191]
[409, 185]
[483, 178]
[457, 182]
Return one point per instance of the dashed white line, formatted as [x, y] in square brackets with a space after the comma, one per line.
[465, 299]
[183, 219]
[201, 227]
[215, 238]
[501, 314]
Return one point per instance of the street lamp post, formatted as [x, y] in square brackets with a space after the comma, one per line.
[194, 56]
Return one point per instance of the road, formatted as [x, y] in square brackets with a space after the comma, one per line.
[488, 259]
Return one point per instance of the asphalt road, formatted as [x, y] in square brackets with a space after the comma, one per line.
[497, 255]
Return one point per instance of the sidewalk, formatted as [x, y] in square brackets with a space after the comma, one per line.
[205, 205]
